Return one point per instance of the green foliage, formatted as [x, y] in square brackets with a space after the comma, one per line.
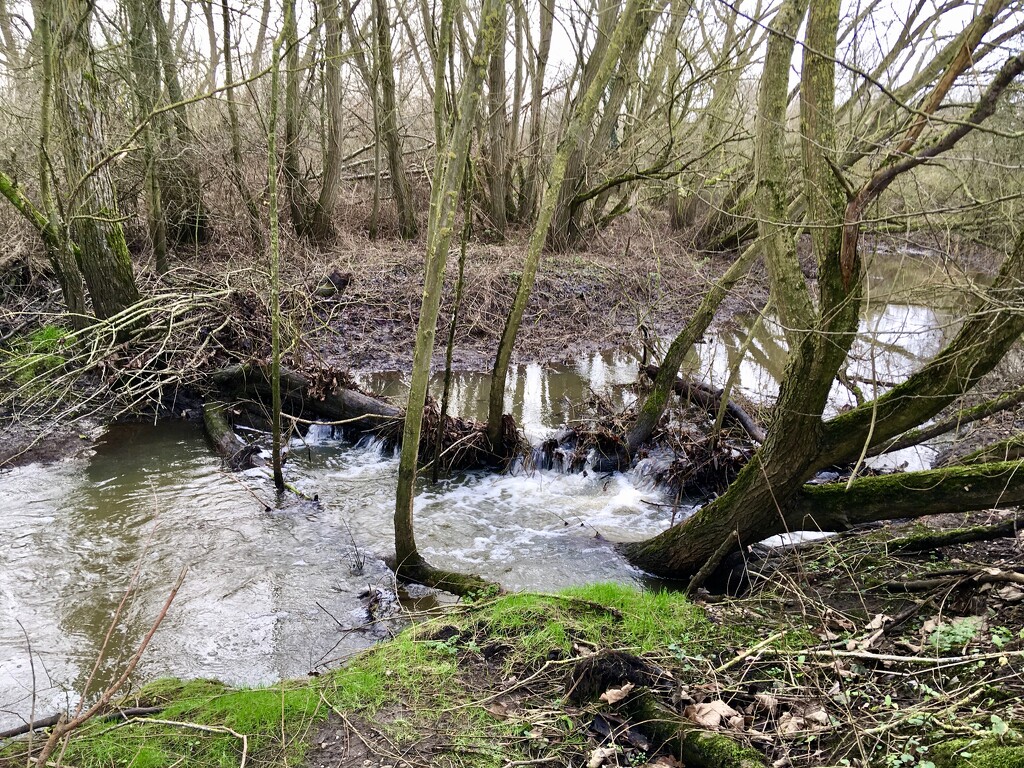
[954, 635]
[34, 355]
[199, 727]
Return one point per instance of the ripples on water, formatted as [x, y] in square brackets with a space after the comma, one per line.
[154, 499]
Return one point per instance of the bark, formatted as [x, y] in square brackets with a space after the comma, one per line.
[321, 227]
[236, 453]
[145, 69]
[300, 204]
[61, 253]
[634, 25]
[749, 509]
[772, 188]
[448, 175]
[960, 419]
[929, 542]
[188, 221]
[530, 196]
[234, 130]
[992, 327]
[389, 128]
[497, 134]
[835, 507]
[305, 399]
[1005, 450]
[275, 269]
[103, 257]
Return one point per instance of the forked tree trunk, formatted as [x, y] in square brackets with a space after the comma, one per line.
[769, 496]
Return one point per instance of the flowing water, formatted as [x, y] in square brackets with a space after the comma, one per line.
[272, 592]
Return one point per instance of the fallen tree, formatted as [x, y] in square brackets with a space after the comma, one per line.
[326, 399]
[768, 496]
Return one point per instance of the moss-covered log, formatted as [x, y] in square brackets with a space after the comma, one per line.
[237, 453]
[926, 542]
[911, 494]
[693, 745]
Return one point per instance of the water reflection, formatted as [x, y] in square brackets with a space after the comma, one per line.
[250, 611]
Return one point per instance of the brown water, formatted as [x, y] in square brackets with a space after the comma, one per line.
[153, 499]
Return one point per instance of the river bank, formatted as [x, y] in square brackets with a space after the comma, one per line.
[844, 664]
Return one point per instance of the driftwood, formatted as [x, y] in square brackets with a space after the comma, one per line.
[236, 453]
[710, 399]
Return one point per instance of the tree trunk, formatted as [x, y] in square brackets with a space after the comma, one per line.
[388, 128]
[188, 221]
[103, 256]
[300, 204]
[448, 174]
[767, 497]
[632, 26]
[237, 170]
[145, 69]
[321, 226]
[497, 135]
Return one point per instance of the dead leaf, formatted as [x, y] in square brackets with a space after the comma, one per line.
[817, 717]
[878, 622]
[789, 723]
[710, 714]
[1011, 594]
[498, 710]
[766, 702]
[599, 755]
[615, 695]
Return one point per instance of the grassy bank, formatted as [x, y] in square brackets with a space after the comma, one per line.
[588, 677]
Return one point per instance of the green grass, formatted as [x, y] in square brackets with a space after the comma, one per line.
[409, 688]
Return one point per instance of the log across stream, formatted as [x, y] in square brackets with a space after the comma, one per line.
[269, 584]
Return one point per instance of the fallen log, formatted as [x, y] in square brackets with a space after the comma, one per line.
[303, 398]
[710, 399]
[931, 541]
[237, 453]
[463, 441]
[52, 720]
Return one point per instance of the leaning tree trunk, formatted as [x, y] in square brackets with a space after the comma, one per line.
[763, 498]
[451, 166]
[96, 224]
[748, 511]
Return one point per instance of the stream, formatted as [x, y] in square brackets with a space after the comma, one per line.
[271, 589]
